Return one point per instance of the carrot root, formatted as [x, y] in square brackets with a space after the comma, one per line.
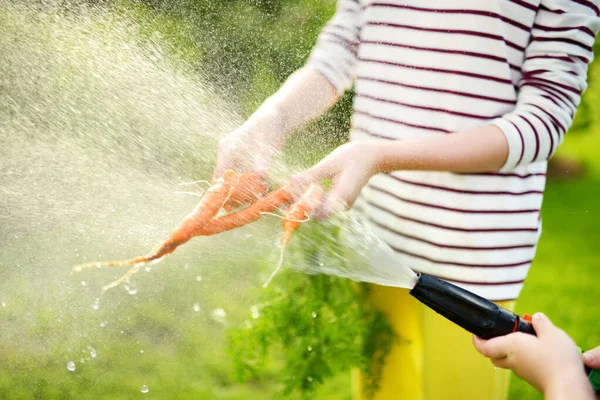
[211, 202]
[122, 279]
[279, 264]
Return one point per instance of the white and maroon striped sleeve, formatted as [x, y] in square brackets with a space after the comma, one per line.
[554, 78]
[334, 54]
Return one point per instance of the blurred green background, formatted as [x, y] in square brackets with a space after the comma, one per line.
[71, 191]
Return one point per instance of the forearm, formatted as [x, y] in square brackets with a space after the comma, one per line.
[304, 96]
[571, 385]
[478, 150]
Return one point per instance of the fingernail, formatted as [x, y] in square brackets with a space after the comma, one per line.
[588, 357]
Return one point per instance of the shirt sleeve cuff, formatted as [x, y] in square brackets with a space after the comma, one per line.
[335, 77]
[515, 143]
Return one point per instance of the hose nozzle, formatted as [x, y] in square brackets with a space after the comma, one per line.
[468, 310]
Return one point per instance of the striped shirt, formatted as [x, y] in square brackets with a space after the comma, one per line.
[433, 67]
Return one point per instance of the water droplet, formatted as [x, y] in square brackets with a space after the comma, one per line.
[92, 352]
[254, 311]
[219, 315]
[198, 278]
[142, 351]
[314, 314]
[3, 304]
[309, 348]
[309, 378]
[102, 324]
[71, 366]
[83, 283]
[196, 307]
[132, 290]
[98, 265]
[82, 360]
[96, 304]
[148, 268]
[144, 389]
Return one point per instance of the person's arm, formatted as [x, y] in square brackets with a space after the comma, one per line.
[305, 95]
[554, 77]
[550, 361]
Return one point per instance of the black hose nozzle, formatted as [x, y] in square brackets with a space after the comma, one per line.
[468, 310]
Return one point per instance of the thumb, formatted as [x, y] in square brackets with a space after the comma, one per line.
[591, 358]
[222, 164]
[542, 324]
[314, 174]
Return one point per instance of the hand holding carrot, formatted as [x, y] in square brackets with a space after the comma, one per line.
[349, 166]
[550, 361]
[251, 147]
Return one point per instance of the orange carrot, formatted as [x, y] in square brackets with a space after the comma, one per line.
[247, 189]
[268, 203]
[210, 204]
[298, 213]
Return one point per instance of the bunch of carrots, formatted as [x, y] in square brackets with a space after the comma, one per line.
[232, 201]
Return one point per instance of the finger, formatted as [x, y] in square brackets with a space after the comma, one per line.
[496, 348]
[591, 358]
[505, 362]
[331, 206]
[223, 163]
[542, 324]
[262, 162]
[341, 196]
[323, 169]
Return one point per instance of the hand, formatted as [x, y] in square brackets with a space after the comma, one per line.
[349, 166]
[550, 361]
[251, 147]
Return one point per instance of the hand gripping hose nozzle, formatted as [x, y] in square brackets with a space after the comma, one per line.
[475, 313]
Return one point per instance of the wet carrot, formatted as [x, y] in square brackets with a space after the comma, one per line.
[268, 203]
[298, 213]
[208, 206]
[247, 189]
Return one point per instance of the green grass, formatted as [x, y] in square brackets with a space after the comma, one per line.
[563, 281]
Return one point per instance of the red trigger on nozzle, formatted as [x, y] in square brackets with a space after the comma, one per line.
[525, 317]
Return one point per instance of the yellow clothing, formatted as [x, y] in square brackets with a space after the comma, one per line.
[434, 358]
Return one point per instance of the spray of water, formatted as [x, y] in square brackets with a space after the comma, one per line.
[355, 253]
[99, 129]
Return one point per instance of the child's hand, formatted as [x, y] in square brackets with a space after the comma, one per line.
[551, 362]
[251, 147]
[349, 166]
